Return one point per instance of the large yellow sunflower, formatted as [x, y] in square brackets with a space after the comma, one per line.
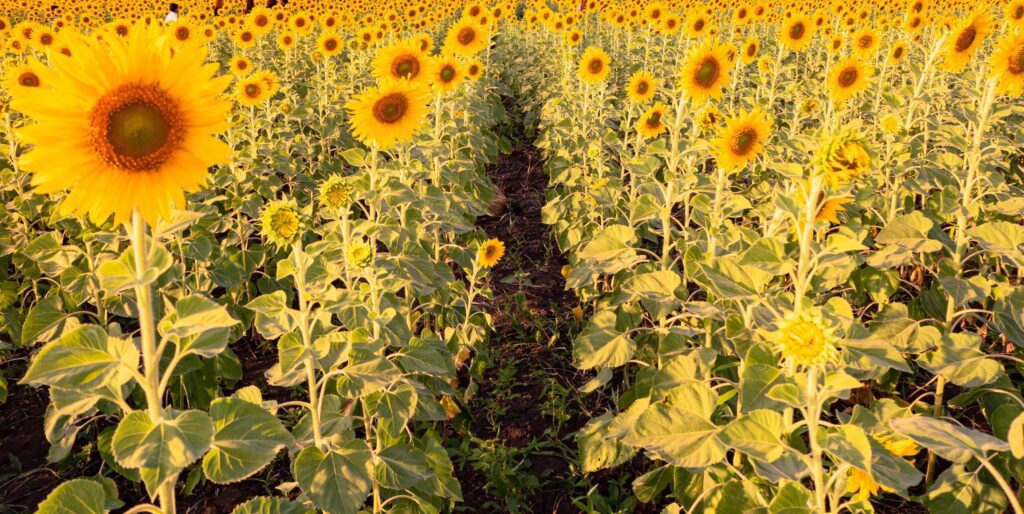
[652, 122]
[742, 139]
[705, 72]
[965, 39]
[125, 125]
[448, 74]
[848, 78]
[594, 67]
[1007, 63]
[796, 32]
[252, 91]
[466, 37]
[641, 87]
[389, 113]
[403, 60]
[329, 44]
[804, 339]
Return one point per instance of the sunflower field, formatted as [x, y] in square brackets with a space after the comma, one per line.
[609, 256]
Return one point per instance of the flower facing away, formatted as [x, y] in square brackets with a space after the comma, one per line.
[281, 222]
[804, 339]
[490, 253]
[125, 124]
[742, 139]
[843, 158]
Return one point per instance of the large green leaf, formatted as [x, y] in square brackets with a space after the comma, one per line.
[602, 345]
[757, 433]
[677, 435]
[271, 505]
[78, 496]
[120, 274]
[960, 360]
[402, 467]
[337, 481]
[84, 359]
[949, 441]
[161, 449]
[247, 437]
[961, 491]
[45, 320]
[198, 325]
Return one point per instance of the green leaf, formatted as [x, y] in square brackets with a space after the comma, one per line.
[792, 498]
[892, 470]
[120, 275]
[1015, 436]
[611, 249]
[45, 320]
[78, 496]
[161, 449]
[247, 438]
[198, 325]
[960, 360]
[402, 467]
[84, 359]
[602, 345]
[271, 505]
[757, 433]
[338, 481]
[677, 435]
[355, 157]
[365, 378]
[951, 442]
[849, 444]
[1000, 237]
[959, 491]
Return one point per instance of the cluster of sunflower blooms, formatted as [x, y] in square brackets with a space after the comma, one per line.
[732, 165]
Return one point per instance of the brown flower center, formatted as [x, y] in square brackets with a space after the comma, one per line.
[707, 72]
[642, 87]
[181, 33]
[848, 76]
[447, 73]
[466, 36]
[654, 120]
[405, 66]
[966, 38]
[28, 79]
[595, 65]
[391, 108]
[136, 127]
[744, 141]
[796, 31]
[1016, 66]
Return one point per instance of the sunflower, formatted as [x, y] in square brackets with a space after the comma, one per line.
[830, 209]
[241, 66]
[25, 79]
[474, 70]
[641, 87]
[965, 39]
[1007, 63]
[696, 25]
[272, 81]
[490, 253]
[749, 51]
[466, 37]
[119, 128]
[245, 38]
[796, 32]
[742, 139]
[865, 42]
[897, 53]
[448, 74]
[403, 61]
[359, 253]
[705, 72]
[594, 67]
[252, 91]
[389, 113]
[861, 484]
[843, 158]
[336, 193]
[848, 78]
[329, 44]
[804, 339]
[709, 118]
[1014, 12]
[652, 123]
[281, 222]
[286, 41]
[890, 124]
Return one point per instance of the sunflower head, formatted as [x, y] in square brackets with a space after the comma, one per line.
[336, 193]
[709, 118]
[796, 32]
[842, 158]
[742, 139]
[448, 74]
[474, 69]
[402, 61]
[389, 113]
[848, 78]
[965, 39]
[641, 87]
[490, 253]
[805, 339]
[594, 67]
[329, 44]
[652, 122]
[466, 37]
[281, 222]
[359, 254]
[1007, 63]
[252, 91]
[705, 72]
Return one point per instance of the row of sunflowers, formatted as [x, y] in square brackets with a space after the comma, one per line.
[795, 234]
[269, 180]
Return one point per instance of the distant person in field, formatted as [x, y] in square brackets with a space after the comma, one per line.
[217, 6]
[172, 15]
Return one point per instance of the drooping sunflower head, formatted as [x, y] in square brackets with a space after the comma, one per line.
[848, 78]
[489, 253]
[842, 158]
[594, 67]
[641, 87]
[805, 339]
[742, 139]
[389, 113]
[448, 74]
[329, 44]
[1007, 63]
[402, 60]
[252, 91]
[861, 484]
[705, 72]
[336, 193]
[652, 122]
[281, 222]
[118, 128]
[965, 39]
[466, 37]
